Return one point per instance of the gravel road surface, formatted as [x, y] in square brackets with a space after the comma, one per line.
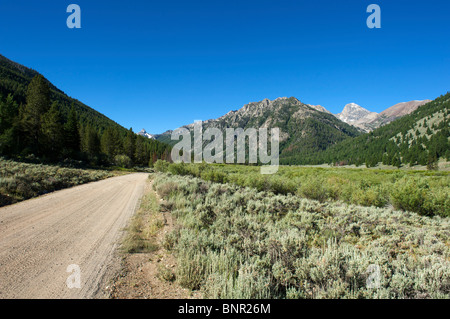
[63, 244]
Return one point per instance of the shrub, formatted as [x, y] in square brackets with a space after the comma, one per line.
[165, 273]
[314, 188]
[161, 166]
[353, 186]
[410, 195]
[192, 269]
[372, 196]
[177, 169]
[123, 161]
[166, 189]
[213, 176]
[438, 202]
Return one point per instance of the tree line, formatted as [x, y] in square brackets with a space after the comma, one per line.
[37, 127]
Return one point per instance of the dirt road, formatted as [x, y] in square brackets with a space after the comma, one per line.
[51, 245]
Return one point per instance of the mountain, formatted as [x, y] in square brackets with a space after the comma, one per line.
[55, 127]
[303, 129]
[352, 113]
[420, 137]
[391, 114]
[358, 116]
[144, 133]
[15, 78]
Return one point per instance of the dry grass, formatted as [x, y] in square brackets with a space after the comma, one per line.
[144, 227]
[148, 268]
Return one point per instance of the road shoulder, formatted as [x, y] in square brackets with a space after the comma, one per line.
[147, 269]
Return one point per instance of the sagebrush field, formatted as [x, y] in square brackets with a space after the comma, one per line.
[20, 181]
[251, 242]
[423, 192]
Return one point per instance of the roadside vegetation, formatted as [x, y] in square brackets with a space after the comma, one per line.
[243, 242]
[20, 181]
[148, 269]
[424, 192]
[143, 227]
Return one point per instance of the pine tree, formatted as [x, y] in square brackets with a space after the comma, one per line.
[8, 125]
[72, 137]
[140, 153]
[52, 132]
[118, 141]
[153, 159]
[38, 103]
[432, 161]
[396, 161]
[108, 143]
[129, 144]
[92, 142]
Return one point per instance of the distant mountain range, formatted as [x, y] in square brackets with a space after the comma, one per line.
[352, 114]
[265, 113]
[307, 131]
[415, 133]
[302, 127]
[366, 120]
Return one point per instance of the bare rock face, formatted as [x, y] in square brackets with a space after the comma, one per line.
[357, 116]
[352, 113]
[319, 108]
[392, 113]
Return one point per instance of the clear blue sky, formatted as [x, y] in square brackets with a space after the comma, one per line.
[161, 64]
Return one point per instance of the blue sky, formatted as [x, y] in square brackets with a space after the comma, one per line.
[162, 64]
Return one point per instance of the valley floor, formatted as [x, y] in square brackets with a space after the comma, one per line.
[442, 166]
[199, 239]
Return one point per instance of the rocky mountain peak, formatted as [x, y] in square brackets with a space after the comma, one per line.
[352, 112]
[144, 133]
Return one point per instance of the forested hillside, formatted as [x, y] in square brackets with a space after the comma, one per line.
[15, 78]
[421, 137]
[37, 119]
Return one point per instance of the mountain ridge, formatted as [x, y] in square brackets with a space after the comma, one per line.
[367, 121]
[418, 138]
[15, 78]
[302, 127]
[58, 127]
